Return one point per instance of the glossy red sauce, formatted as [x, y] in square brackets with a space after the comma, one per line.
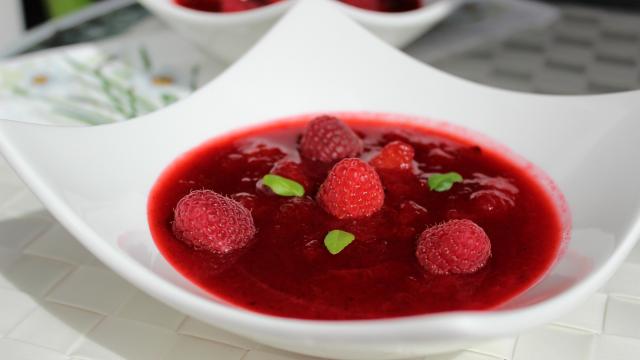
[241, 5]
[288, 272]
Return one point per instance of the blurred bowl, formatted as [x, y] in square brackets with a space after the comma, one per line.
[228, 35]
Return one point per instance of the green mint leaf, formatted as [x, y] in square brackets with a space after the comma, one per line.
[443, 182]
[337, 240]
[283, 186]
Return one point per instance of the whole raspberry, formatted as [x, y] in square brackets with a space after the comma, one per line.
[396, 155]
[292, 171]
[454, 247]
[492, 197]
[328, 139]
[351, 190]
[491, 203]
[207, 220]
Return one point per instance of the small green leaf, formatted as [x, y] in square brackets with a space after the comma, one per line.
[337, 240]
[443, 182]
[283, 186]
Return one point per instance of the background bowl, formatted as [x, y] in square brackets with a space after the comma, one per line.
[229, 35]
[95, 180]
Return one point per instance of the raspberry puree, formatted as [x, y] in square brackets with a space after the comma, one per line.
[287, 271]
[241, 5]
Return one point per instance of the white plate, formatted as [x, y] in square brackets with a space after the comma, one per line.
[95, 180]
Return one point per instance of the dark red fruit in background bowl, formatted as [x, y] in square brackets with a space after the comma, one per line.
[224, 5]
[242, 5]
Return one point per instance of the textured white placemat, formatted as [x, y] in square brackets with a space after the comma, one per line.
[587, 51]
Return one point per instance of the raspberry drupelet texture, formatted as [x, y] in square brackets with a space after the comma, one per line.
[396, 155]
[351, 190]
[329, 139]
[207, 220]
[453, 247]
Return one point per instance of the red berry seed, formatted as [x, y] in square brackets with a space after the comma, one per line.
[454, 247]
[351, 190]
[207, 220]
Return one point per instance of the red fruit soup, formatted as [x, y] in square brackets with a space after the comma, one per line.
[293, 267]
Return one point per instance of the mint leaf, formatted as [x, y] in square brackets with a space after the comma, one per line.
[337, 240]
[283, 186]
[443, 182]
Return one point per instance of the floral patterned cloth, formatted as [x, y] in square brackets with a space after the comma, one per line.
[106, 82]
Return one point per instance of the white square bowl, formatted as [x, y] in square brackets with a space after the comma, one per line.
[95, 180]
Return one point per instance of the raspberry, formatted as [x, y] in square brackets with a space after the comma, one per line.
[491, 203]
[351, 190]
[296, 208]
[491, 197]
[454, 247]
[257, 152]
[328, 139]
[292, 171]
[440, 158]
[207, 220]
[396, 155]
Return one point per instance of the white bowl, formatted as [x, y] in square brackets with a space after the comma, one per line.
[95, 180]
[229, 35]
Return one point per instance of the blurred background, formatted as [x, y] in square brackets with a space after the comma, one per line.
[552, 46]
[38, 11]
[17, 16]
